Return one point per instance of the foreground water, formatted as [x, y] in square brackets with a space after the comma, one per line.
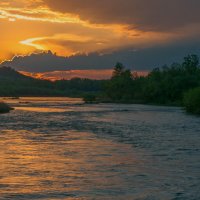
[57, 149]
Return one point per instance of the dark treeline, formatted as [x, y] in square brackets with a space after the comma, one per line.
[169, 85]
[165, 85]
[177, 84]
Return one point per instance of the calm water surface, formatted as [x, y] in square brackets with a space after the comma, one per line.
[59, 148]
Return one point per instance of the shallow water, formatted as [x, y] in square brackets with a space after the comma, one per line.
[57, 149]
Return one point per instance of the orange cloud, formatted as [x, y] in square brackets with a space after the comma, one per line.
[74, 27]
[44, 28]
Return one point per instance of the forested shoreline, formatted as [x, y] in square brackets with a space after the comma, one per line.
[177, 84]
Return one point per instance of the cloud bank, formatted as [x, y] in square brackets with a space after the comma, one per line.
[153, 15]
[135, 59]
[93, 34]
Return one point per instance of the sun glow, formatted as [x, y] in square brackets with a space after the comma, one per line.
[28, 26]
[42, 14]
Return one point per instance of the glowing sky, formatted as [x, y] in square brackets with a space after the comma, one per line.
[70, 27]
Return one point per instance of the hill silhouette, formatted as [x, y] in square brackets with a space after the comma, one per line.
[13, 83]
[9, 73]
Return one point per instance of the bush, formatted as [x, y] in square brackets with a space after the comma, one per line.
[89, 98]
[192, 101]
[4, 108]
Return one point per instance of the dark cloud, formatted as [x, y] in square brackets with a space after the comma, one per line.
[141, 59]
[156, 15]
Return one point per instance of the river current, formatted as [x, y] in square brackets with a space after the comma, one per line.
[62, 149]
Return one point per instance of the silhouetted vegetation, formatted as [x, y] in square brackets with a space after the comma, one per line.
[192, 101]
[90, 98]
[162, 86]
[4, 108]
[14, 84]
[165, 85]
[119, 88]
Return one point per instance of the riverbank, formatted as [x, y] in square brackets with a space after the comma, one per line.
[88, 99]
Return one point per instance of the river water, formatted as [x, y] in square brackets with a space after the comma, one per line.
[59, 148]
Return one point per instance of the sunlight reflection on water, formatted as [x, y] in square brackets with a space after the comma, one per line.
[42, 109]
[57, 149]
[66, 163]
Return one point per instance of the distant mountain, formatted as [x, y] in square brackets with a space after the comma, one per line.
[9, 73]
[15, 84]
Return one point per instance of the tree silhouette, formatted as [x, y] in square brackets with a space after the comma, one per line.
[120, 86]
[118, 70]
[191, 63]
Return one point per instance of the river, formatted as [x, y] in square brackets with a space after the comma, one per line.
[62, 149]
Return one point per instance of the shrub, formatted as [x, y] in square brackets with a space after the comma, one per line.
[192, 101]
[89, 98]
[4, 108]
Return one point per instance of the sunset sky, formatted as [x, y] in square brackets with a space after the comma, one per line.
[140, 33]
